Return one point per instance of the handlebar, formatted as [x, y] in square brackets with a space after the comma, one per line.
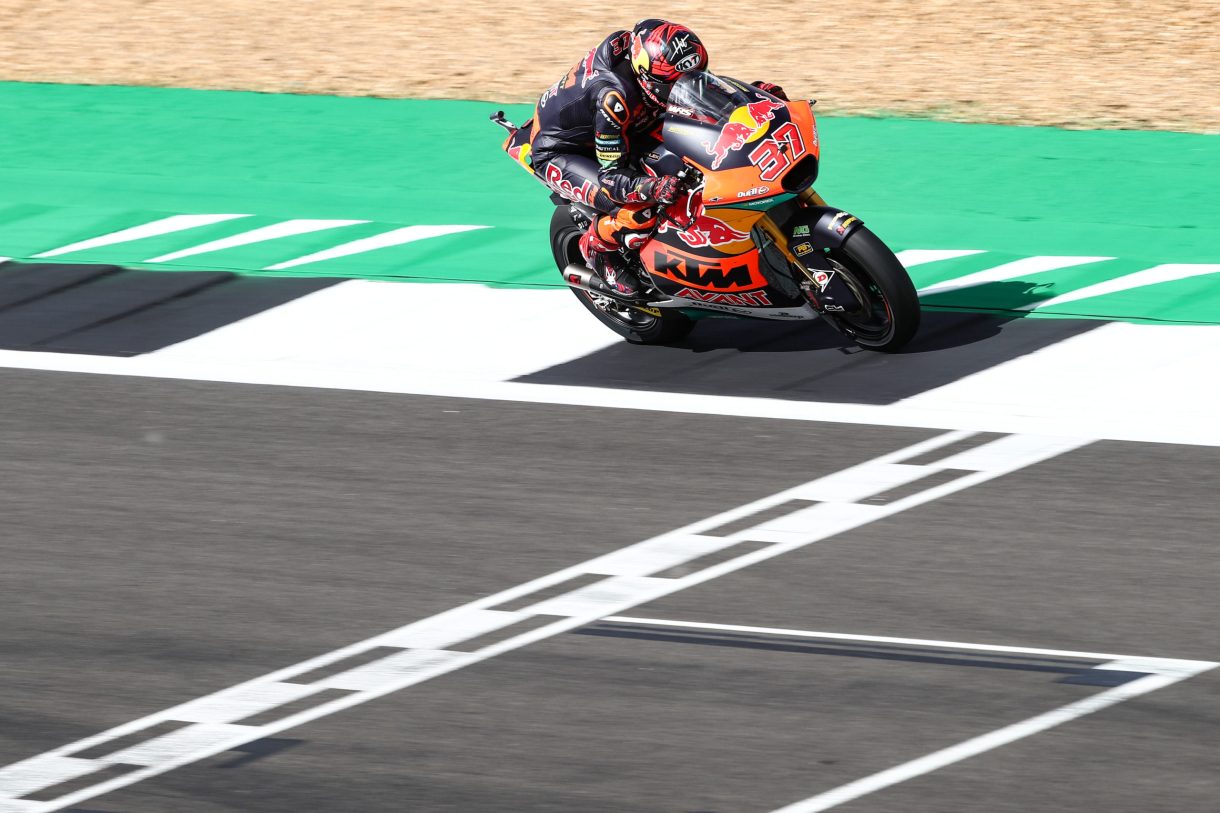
[688, 178]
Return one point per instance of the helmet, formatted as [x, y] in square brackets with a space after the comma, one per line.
[660, 53]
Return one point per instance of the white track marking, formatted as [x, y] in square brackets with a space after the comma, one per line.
[156, 228]
[5, 259]
[1114, 375]
[577, 608]
[1159, 673]
[1018, 269]
[390, 331]
[1068, 389]
[912, 257]
[230, 707]
[872, 639]
[397, 237]
[289, 228]
[1140, 279]
[981, 744]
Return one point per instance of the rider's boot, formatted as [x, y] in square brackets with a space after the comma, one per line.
[608, 263]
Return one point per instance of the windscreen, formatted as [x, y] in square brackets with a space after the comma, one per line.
[706, 97]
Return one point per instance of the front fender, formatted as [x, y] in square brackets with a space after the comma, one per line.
[812, 229]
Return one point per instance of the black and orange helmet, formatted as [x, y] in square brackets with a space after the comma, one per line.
[662, 51]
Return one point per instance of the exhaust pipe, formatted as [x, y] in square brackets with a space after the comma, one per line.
[582, 277]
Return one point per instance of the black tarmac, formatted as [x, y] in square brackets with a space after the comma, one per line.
[162, 540]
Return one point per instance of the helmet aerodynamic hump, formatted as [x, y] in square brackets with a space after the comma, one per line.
[661, 52]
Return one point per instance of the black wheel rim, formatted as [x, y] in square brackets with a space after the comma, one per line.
[613, 310]
[874, 322]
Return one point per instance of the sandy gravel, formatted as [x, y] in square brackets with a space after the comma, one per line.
[1105, 63]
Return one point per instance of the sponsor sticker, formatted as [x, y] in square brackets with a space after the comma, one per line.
[822, 278]
[840, 227]
[800, 231]
[802, 249]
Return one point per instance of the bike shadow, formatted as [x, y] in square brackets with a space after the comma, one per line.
[941, 328]
[810, 361]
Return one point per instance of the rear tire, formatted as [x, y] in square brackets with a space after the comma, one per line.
[890, 316]
[632, 324]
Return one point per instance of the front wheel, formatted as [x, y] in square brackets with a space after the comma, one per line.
[633, 324]
[889, 315]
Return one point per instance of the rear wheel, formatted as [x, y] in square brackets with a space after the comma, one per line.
[633, 324]
[890, 313]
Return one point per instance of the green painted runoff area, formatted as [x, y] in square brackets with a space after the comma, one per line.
[78, 162]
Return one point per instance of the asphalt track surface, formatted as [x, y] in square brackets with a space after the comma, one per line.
[162, 540]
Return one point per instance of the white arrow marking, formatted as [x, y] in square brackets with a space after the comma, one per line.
[921, 256]
[1139, 279]
[397, 237]
[288, 228]
[1018, 269]
[157, 227]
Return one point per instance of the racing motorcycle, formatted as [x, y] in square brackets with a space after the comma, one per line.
[748, 237]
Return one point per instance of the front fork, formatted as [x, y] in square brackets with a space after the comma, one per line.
[815, 286]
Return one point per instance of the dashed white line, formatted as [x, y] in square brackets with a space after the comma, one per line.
[1149, 276]
[166, 225]
[912, 257]
[289, 228]
[621, 580]
[397, 237]
[1017, 269]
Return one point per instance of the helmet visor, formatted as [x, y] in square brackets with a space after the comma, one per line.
[654, 89]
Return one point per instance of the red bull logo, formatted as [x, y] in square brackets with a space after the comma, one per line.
[704, 231]
[585, 193]
[746, 124]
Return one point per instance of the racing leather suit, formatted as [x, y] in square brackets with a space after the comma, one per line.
[581, 142]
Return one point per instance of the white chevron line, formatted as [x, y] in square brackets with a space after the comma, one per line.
[288, 228]
[1018, 269]
[912, 257]
[397, 237]
[165, 225]
[1138, 279]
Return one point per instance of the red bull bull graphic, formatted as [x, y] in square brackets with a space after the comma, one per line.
[746, 124]
[703, 230]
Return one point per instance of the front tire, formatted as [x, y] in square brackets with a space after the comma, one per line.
[890, 314]
[632, 324]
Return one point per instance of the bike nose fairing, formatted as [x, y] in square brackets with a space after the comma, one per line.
[743, 138]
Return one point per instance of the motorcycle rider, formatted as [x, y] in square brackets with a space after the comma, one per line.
[584, 126]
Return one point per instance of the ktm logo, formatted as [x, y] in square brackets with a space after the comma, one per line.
[708, 275]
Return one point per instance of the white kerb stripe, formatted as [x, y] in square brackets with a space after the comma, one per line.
[397, 237]
[166, 225]
[912, 257]
[289, 228]
[1140, 279]
[1018, 269]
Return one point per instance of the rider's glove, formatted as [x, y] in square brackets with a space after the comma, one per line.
[662, 190]
[772, 88]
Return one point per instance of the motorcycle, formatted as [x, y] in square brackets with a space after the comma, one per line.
[748, 237]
